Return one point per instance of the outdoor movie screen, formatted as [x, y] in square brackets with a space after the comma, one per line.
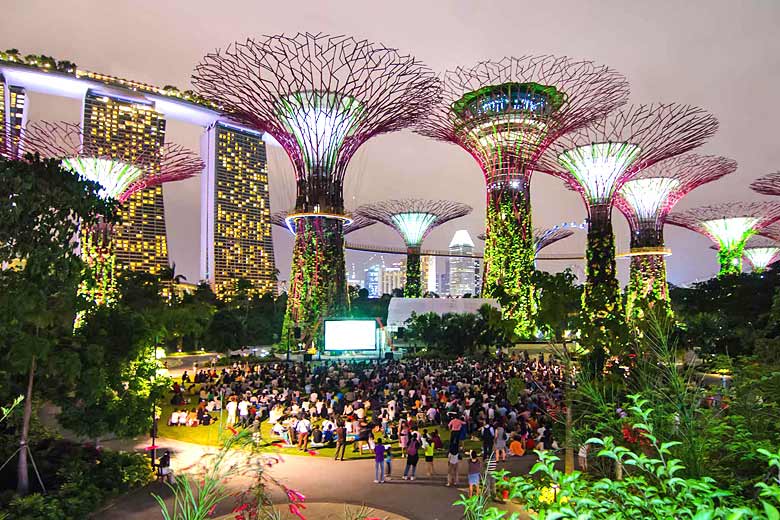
[350, 335]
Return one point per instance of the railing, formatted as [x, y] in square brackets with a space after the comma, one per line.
[370, 248]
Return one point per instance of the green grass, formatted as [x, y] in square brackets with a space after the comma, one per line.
[212, 434]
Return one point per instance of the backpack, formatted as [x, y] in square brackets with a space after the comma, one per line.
[487, 436]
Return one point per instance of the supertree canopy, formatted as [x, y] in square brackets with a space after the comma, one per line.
[119, 178]
[645, 201]
[597, 161]
[413, 219]
[280, 218]
[761, 252]
[505, 114]
[321, 97]
[730, 226]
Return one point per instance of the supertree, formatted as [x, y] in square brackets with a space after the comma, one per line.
[119, 177]
[355, 222]
[505, 114]
[413, 219]
[321, 97]
[762, 251]
[645, 201]
[597, 161]
[729, 225]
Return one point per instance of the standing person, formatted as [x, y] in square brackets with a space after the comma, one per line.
[475, 470]
[500, 443]
[403, 436]
[388, 461]
[488, 436]
[582, 455]
[379, 462]
[412, 457]
[452, 468]
[302, 428]
[455, 426]
[428, 452]
[341, 440]
[231, 408]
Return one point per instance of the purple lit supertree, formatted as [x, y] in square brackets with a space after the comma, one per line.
[321, 97]
[413, 219]
[505, 114]
[729, 225]
[119, 178]
[645, 201]
[597, 161]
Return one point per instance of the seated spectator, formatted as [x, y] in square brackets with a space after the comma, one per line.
[182, 417]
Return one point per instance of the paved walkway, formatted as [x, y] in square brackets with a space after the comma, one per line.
[321, 480]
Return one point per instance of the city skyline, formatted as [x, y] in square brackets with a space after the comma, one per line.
[394, 160]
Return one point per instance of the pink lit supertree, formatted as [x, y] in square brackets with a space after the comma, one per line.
[729, 225]
[761, 251]
[505, 114]
[645, 201]
[413, 219]
[597, 161]
[119, 178]
[321, 97]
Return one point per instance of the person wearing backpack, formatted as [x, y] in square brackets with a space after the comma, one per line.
[412, 457]
[488, 437]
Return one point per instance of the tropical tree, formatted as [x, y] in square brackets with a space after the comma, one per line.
[42, 207]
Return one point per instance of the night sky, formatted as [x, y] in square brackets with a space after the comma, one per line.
[721, 55]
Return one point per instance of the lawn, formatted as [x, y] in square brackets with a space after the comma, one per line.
[210, 435]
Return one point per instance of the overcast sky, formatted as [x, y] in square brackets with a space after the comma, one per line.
[719, 54]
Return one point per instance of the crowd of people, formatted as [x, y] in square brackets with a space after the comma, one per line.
[507, 404]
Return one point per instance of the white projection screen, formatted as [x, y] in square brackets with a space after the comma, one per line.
[350, 335]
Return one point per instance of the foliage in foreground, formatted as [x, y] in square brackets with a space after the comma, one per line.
[85, 480]
[651, 489]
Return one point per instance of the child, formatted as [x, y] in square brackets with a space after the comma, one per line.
[388, 461]
[475, 469]
[428, 450]
[452, 467]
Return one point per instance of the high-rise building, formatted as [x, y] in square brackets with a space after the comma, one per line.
[236, 239]
[391, 278]
[462, 271]
[123, 127]
[13, 109]
[428, 273]
[372, 280]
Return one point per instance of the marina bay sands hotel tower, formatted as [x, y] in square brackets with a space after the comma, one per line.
[122, 117]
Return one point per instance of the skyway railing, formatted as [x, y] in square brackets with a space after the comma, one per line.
[370, 248]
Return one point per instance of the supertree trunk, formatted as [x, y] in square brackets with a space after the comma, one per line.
[730, 258]
[318, 286]
[603, 326]
[413, 286]
[509, 256]
[98, 284]
[647, 287]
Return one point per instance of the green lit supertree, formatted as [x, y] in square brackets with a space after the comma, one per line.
[505, 114]
[321, 97]
[762, 251]
[413, 219]
[729, 225]
[645, 201]
[119, 178]
[597, 161]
